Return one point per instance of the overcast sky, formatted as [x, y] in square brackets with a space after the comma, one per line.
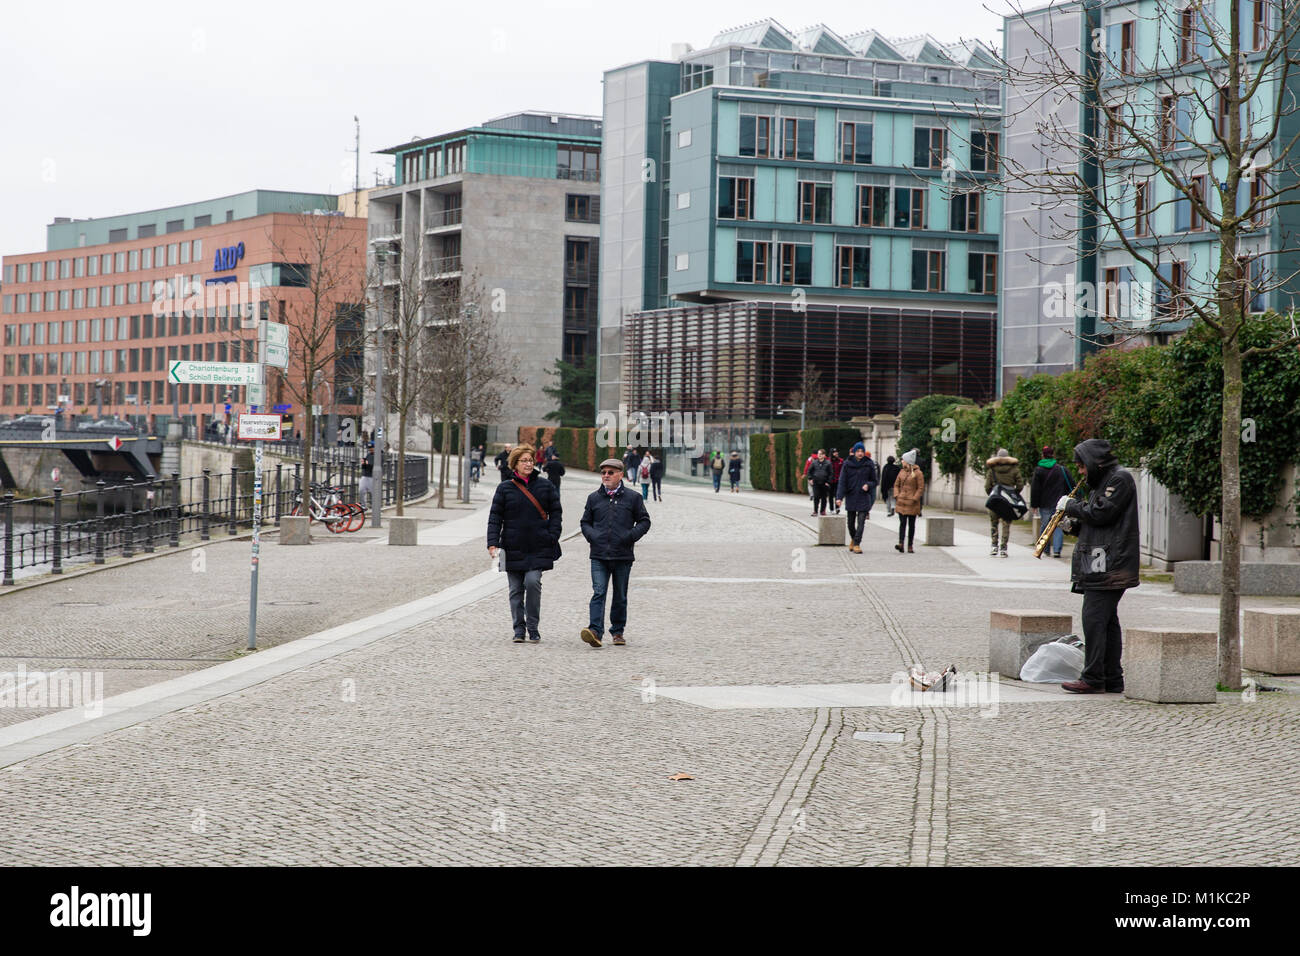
[116, 108]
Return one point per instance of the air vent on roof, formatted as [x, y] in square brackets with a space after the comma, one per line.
[555, 119]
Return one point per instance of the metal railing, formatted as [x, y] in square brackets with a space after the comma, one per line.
[445, 217]
[445, 265]
[141, 517]
[585, 175]
[385, 229]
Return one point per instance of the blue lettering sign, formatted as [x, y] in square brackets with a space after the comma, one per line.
[227, 257]
[281, 408]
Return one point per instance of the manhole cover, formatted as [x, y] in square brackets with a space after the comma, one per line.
[79, 604]
[875, 737]
[292, 603]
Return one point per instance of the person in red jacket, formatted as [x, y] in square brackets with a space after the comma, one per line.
[837, 463]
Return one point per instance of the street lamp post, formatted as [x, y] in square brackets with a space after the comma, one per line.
[781, 410]
[468, 311]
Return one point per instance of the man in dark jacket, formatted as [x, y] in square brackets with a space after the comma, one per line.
[856, 489]
[1105, 562]
[631, 464]
[1049, 483]
[887, 476]
[525, 522]
[820, 475]
[502, 461]
[554, 469]
[614, 520]
[656, 479]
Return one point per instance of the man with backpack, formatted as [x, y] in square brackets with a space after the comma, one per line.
[1049, 483]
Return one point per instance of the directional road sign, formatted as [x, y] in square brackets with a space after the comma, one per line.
[277, 344]
[213, 373]
[256, 394]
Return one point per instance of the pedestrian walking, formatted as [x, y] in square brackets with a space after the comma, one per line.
[1105, 561]
[502, 461]
[734, 467]
[807, 466]
[524, 521]
[837, 462]
[656, 478]
[366, 488]
[716, 466]
[554, 471]
[887, 476]
[549, 452]
[631, 464]
[476, 462]
[908, 487]
[853, 490]
[1049, 483]
[643, 474]
[820, 475]
[613, 521]
[1003, 469]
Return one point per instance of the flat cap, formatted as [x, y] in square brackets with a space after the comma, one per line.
[612, 463]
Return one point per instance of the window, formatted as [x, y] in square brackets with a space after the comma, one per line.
[1221, 113]
[756, 136]
[796, 264]
[752, 260]
[1116, 294]
[682, 262]
[683, 200]
[65, 298]
[814, 202]
[22, 271]
[1168, 120]
[573, 162]
[119, 262]
[65, 268]
[735, 197]
[873, 206]
[683, 139]
[855, 143]
[930, 147]
[1126, 53]
[175, 225]
[1170, 289]
[24, 364]
[1141, 208]
[984, 147]
[928, 270]
[1259, 25]
[909, 208]
[185, 253]
[579, 208]
[78, 298]
[1258, 192]
[146, 258]
[965, 212]
[1186, 35]
[1254, 277]
[855, 267]
[797, 138]
[982, 273]
[1187, 217]
[38, 271]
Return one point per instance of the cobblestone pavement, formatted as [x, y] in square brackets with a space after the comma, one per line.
[448, 744]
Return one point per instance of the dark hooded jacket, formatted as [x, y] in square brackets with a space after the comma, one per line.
[531, 543]
[853, 476]
[1050, 481]
[1106, 557]
[887, 476]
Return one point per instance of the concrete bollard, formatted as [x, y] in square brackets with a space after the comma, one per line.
[295, 530]
[404, 531]
[1170, 667]
[939, 531]
[1270, 640]
[832, 529]
[1015, 635]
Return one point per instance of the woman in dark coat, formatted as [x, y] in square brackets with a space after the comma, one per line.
[887, 476]
[529, 537]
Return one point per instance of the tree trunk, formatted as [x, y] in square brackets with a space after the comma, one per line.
[442, 464]
[1230, 475]
[401, 459]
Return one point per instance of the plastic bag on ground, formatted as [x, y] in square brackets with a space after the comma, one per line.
[1053, 663]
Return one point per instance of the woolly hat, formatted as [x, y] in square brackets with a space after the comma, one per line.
[1003, 453]
[910, 457]
[856, 448]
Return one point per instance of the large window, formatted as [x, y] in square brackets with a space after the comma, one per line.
[1187, 217]
[756, 136]
[873, 206]
[930, 146]
[579, 208]
[928, 270]
[854, 267]
[796, 264]
[797, 138]
[735, 197]
[1259, 25]
[909, 208]
[965, 212]
[1142, 208]
[982, 274]
[984, 147]
[573, 162]
[814, 202]
[752, 260]
[855, 143]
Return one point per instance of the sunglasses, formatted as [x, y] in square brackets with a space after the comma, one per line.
[609, 471]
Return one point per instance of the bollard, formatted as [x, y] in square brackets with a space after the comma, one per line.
[147, 546]
[234, 499]
[9, 538]
[207, 507]
[129, 531]
[99, 521]
[176, 511]
[279, 501]
[58, 530]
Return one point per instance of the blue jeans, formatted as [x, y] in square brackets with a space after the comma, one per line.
[1058, 536]
[717, 481]
[601, 572]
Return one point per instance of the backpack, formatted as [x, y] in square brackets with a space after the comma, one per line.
[645, 470]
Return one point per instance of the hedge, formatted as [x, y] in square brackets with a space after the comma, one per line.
[477, 436]
[577, 447]
[776, 461]
[760, 461]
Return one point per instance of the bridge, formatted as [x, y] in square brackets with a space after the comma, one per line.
[94, 454]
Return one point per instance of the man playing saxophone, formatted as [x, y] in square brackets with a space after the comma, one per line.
[1105, 563]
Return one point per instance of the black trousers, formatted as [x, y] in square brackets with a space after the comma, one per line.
[906, 523]
[1103, 646]
[857, 522]
[821, 496]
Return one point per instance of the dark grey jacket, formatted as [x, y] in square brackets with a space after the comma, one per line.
[614, 524]
[1106, 557]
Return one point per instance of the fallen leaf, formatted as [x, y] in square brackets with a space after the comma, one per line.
[681, 776]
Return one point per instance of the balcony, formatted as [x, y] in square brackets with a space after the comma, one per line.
[442, 218]
[444, 266]
[384, 230]
[579, 320]
[577, 271]
[583, 175]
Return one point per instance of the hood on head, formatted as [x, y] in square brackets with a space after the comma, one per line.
[1095, 455]
[1002, 460]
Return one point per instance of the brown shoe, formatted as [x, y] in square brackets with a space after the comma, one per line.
[617, 640]
[898, 548]
[1082, 687]
[910, 550]
[590, 636]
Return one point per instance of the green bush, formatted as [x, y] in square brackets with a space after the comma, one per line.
[920, 415]
[783, 443]
[760, 462]
[477, 436]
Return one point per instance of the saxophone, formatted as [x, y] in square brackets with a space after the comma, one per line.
[1046, 536]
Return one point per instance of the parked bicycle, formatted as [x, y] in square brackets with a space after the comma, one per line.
[330, 509]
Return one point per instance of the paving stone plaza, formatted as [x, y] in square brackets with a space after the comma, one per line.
[388, 719]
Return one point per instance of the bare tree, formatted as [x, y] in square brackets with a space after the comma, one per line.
[321, 287]
[1201, 130]
[817, 400]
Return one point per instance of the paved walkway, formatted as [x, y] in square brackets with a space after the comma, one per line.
[424, 736]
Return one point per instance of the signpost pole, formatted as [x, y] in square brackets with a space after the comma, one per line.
[257, 497]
